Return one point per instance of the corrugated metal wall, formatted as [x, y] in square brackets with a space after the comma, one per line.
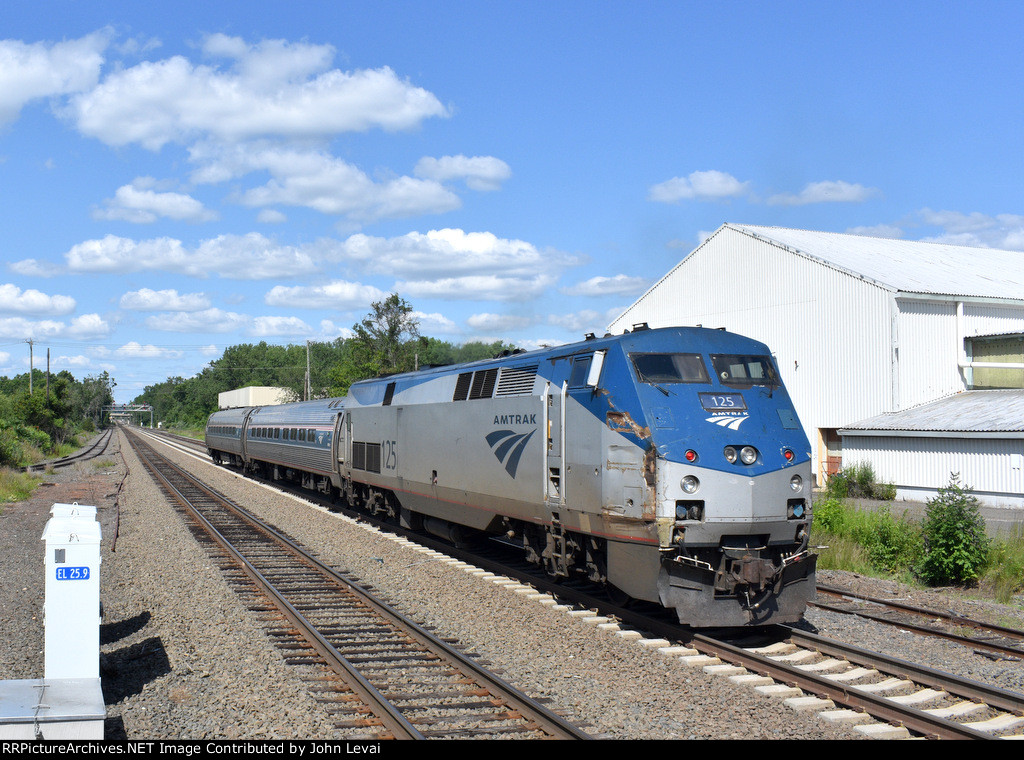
[992, 319]
[993, 467]
[927, 335]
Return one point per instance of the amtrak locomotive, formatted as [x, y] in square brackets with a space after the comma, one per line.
[668, 464]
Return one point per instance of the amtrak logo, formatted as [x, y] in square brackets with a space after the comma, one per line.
[727, 421]
[508, 447]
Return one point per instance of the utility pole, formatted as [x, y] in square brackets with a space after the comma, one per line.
[29, 341]
[307, 372]
[47, 376]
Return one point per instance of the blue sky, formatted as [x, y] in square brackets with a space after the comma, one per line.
[180, 177]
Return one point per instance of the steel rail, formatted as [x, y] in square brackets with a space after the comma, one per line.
[924, 612]
[390, 718]
[544, 719]
[877, 706]
[100, 443]
[1003, 699]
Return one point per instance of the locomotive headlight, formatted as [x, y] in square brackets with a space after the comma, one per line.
[690, 484]
[730, 454]
[796, 483]
[748, 455]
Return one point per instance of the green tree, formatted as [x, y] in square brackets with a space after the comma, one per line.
[385, 339]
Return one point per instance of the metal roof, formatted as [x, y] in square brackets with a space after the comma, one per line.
[996, 412]
[906, 265]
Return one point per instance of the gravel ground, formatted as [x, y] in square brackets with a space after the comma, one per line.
[183, 659]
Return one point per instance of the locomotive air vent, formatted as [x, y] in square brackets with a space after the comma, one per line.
[516, 381]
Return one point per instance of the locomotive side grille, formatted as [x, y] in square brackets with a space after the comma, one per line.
[366, 456]
[373, 457]
[483, 383]
[516, 381]
[462, 386]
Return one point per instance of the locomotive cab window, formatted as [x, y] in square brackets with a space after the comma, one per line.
[670, 368]
[742, 370]
[580, 370]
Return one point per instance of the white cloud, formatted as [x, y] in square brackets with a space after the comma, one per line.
[830, 191]
[19, 328]
[701, 186]
[586, 321]
[620, 284]
[42, 70]
[88, 326]
[271, 216]
[135, 350]
[273, 88]
[479, 287]
[449, 252]
[206, 321]
[484, 173]
[498, 323]
[71, 361]
[265, 327]
[337, 295]
[163, 300]
[1003, 231]
[975, 230]
[454, 264]
[12, 298]
[34, 268]
[435, 323]
[240, 257]
[329, 330]
[326, 184]
[139, 204]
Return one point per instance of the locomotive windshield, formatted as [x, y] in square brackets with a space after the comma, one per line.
[670, 368]
[733, 369]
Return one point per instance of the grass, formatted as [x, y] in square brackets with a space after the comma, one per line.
[877, 544]
[16, 485]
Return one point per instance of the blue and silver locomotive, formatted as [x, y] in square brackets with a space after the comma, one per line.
[668, 464]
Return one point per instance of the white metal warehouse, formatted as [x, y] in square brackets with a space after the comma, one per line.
[979, 435]
[860, 326]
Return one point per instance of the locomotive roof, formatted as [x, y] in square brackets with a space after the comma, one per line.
[567, 349]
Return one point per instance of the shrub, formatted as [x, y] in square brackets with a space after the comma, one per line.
[859, 481]
[955, 543]
[11, 451]
[829, 515]
[837, 486]
[1005, 573]
[892, 544]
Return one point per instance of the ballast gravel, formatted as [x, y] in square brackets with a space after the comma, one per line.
[183, 658]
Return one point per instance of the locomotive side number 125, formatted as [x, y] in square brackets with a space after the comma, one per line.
[715, 402]
[390, 455]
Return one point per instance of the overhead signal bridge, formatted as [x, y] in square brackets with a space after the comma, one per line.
[126, 412]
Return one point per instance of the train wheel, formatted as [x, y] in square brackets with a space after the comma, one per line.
[617, 596]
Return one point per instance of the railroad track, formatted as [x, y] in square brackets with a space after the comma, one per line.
[93, 450]
[387, 676]
[848, 683]
[886, 696]
[998, 641]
